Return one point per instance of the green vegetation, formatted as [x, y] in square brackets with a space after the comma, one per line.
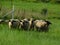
[37, 1]
[20, 37]
[26, 8]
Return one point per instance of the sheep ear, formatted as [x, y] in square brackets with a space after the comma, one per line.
[49, 22]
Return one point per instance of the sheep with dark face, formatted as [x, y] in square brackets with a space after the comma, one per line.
[24, 24]
[47, 26]
[48, 22]
[14, 23]
[41, 25]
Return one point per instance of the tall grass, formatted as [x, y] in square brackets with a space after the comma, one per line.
[31, 9]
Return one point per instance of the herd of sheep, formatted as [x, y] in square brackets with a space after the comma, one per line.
[28, 24]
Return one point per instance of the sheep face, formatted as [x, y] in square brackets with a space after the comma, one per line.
[48, 23]
[26, 25]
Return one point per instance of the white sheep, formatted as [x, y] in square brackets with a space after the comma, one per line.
[40, 24]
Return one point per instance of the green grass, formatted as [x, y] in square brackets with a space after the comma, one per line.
[16, 37]
[31, 8]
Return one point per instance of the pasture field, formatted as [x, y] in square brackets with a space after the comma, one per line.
[20, 37]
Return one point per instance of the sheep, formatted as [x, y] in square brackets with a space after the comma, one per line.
[14, 23]
[41, 25]
[24, 24]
